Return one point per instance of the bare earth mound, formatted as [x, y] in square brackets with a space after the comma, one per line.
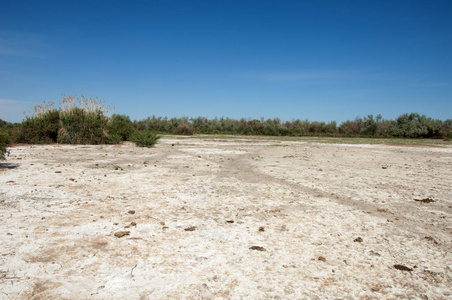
[217, 219]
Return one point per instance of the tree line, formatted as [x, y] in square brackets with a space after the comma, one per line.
[411, 125]
[81, 120]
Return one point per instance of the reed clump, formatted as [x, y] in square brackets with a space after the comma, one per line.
[84, 121]
[78, 120]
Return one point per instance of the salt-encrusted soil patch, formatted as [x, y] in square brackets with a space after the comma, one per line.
[226, 219]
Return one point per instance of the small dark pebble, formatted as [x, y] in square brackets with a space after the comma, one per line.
[230, 221]
[191, 228]
[358, 240]
[258, 248]
[261, 229]
[402, 268]
[321, 258]
[131, 212]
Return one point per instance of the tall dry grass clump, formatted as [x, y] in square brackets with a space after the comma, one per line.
[84, 121]
[78, 120]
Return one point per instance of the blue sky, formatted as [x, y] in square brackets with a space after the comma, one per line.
[317, 60]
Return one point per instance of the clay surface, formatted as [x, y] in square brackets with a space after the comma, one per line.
[226, 219]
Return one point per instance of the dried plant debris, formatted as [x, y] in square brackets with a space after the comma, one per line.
[191, 228]
[230, 221]
[425, 200]
[429, 238]
[131, 224]
[120, 234]
[402, 268]
[258, 248]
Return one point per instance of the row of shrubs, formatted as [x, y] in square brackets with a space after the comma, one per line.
[77, 121]
[407, 125]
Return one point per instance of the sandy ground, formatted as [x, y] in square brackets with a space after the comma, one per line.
[226, 219]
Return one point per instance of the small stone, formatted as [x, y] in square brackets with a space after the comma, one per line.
[230, 221]
[131, 212]
[191, 228]
[321, 258]
[120, 234]
[258, 248]
[402, 268]
[261, 229]
[358, 240]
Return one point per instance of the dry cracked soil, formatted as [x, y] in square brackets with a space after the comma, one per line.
[204, 218]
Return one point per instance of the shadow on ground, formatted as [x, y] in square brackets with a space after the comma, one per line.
[8, 166]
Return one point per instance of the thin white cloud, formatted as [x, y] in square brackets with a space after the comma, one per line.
[310, 77]
[320, 77]
[13, 110]
[12, 102]
[22, 44]
[436, 84]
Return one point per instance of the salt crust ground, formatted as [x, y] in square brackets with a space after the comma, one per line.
[333, 220]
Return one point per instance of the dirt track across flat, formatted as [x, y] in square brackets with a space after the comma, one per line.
[226, 219]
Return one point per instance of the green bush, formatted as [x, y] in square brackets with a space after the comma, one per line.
[4, 141]
[121, 126]
[144, 138]
[5, 138]
[410, 125]
[40, 129]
